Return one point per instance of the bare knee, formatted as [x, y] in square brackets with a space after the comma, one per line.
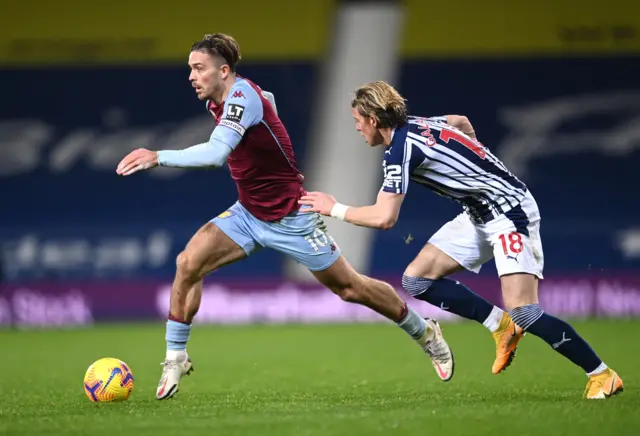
[432, 263]
[348, 290]
[424, 267]
[519, 290]
[342, 280]
[188, 266]
[208, 250]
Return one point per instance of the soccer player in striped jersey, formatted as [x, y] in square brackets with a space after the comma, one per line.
[500, 220]
[250, 138]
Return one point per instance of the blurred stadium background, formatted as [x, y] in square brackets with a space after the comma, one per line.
[551, 88]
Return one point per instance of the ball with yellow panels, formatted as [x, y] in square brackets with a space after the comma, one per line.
[108, 380]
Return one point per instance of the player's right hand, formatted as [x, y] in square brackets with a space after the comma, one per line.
[318, 202]
[138, 160]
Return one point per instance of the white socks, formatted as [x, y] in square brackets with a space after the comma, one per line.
[601, 368]
[493, 320]
[177, 355]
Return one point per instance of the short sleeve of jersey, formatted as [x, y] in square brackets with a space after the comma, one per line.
[398, 163]
[242, 110]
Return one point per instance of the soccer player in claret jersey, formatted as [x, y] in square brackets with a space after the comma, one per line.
[500, 220]
[252, 140]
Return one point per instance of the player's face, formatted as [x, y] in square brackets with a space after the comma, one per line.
[206, 76]
[367, 128]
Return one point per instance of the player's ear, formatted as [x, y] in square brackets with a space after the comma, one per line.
[224, 71]
[373, 121]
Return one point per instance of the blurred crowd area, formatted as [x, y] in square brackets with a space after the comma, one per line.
[551, 89]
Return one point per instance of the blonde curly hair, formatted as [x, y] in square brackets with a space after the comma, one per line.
[382, 102]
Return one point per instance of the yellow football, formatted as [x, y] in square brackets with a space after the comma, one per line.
[108, 379]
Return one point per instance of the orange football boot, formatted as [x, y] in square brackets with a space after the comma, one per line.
[507, 337]
[603, 385]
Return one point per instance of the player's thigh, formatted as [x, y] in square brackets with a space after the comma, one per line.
[303, 237]
[209, 249]
[455, 246]
[224, 240]
[519, 289]
[339, 276]
[519, 261]
[432, 263]
[241, 227]
[517, 249]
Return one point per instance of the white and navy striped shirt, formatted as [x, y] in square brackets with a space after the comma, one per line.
[442, 158]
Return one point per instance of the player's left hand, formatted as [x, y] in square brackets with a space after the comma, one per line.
[138, 160]
[318, 202]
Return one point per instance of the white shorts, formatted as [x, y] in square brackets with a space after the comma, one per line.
[512, 238]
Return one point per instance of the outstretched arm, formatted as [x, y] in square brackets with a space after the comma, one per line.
[208, 154]
[382, 215]
[240, 113]
[222, 142]
[397, 167]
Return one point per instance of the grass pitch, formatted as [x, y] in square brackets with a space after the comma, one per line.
[314, 380]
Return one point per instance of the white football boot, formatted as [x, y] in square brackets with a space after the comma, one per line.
[434, 345]
[172, 372]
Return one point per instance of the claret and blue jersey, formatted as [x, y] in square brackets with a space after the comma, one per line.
[262, 161]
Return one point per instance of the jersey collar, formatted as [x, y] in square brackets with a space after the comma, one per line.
[398, 135]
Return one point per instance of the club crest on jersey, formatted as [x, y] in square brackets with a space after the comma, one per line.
[238, 94]
[226, 214]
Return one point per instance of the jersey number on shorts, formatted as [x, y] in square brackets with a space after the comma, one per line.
[474, 146]
[317, 239]
[511, 242]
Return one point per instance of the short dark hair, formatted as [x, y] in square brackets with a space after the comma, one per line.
[222, 46]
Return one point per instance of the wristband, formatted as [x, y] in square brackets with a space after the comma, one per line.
[339, 211]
